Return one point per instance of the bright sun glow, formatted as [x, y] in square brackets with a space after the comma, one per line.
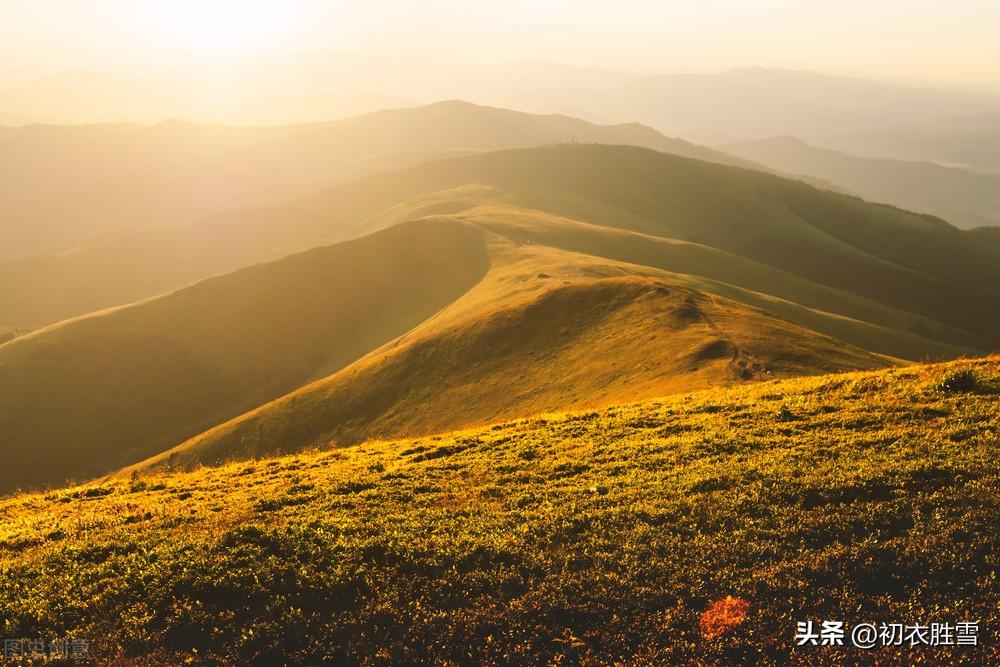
[219, 28]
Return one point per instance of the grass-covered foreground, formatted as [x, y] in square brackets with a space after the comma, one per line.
[594, 538]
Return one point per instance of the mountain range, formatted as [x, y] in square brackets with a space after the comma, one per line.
[712, 107]
[968, 141]
[456, 384]
[567, 276]
[963, 197]
[107, 214]
[66, 184]
[756, 103]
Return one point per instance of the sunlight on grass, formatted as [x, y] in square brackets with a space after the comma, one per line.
[698, 526]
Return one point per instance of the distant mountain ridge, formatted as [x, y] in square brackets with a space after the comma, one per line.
[964, 198]
[755, 103]
[123, 231]
[969, 141]
[63, 185]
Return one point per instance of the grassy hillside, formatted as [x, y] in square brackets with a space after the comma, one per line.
[586, 343]
[910, 263]
[410, 315]
[590, 538]
[965, 198]
[859, 321]
[103, 215]
[913, 263]
[89, 395]
[62, 185]
[422, 306]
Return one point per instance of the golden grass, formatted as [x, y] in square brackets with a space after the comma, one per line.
[91, 395]
[585, 538]
[544, 330]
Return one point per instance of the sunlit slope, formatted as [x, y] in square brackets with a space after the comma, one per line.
[912, 262]
[61, 185]
[589, 538]
[963, 197]
[545, 330]
[849, 281]
[854, 319]
[427, 325]
[90, 395]
[909, 262]
[88, 273]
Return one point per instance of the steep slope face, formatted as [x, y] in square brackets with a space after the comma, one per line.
[582, 538]
[965, 198]
[62, 185]
[581, 336]
[92, 394]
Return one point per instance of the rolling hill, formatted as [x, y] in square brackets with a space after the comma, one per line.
[130, 382]
[398, 325]
[912, 263]
[696, 529]
[63, 185]
[583, 342]
[558, 277]
[962, 197]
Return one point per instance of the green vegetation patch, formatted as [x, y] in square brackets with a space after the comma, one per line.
[594, 538]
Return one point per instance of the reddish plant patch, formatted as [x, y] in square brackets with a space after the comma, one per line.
[722, 616]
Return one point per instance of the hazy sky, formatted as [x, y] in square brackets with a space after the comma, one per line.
[945, 42]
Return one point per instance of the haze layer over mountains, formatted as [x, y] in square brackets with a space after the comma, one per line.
[859, 117]
[421, 270]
